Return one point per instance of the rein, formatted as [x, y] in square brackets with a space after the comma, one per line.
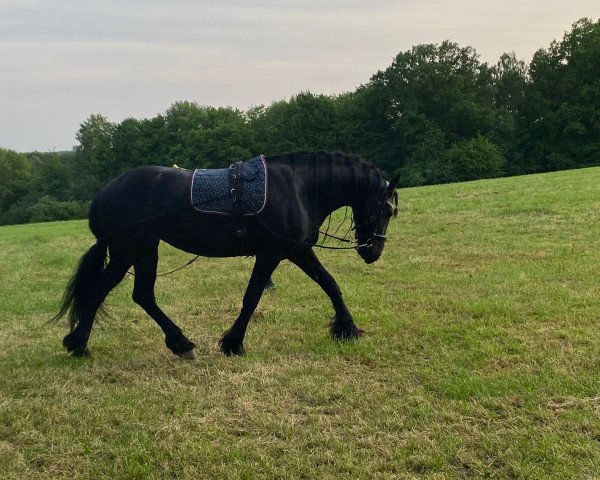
[367, 243]
[335, 237]
[164, 274]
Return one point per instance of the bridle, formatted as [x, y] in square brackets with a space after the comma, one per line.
[373, 222]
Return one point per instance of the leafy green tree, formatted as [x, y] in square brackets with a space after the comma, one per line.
[52, 177]
[150, 145]
[206, 136]
[511, 80]
[563, 101]
[35, 176]
[305, 122]
[365, 129]
[430, 97]
[125, 144]
[15, 174]
[46, 209]
[423, 154]
[15, 182]
[223, 138]
[471, 159]
[95, 151]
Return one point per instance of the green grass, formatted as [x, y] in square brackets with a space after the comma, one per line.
[482, 354]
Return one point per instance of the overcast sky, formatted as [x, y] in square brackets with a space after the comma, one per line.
[61, 60]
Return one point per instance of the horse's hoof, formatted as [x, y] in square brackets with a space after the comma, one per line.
[181, 346]
[344, 332]
[78, 353]
[74, 344]
[189, 355]
[236, 351]
[231, 345]
[231, 348]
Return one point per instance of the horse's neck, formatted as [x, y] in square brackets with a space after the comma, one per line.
[338, 185]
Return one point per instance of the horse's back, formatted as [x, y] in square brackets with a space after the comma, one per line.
[138, 196]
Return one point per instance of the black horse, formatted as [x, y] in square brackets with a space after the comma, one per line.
[139, 208]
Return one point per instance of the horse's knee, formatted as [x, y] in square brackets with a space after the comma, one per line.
[143, 300]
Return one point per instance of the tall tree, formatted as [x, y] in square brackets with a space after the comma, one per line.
[206, 136]
[511, 80]
[431, 97]
[15, 174]
[563, 108]
[304, 122]
[95, 151]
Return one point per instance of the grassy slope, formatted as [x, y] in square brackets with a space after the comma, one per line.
[482, 355]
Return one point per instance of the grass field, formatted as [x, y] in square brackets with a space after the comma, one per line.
[481, 359]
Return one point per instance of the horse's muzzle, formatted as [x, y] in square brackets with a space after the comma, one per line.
[368, 254]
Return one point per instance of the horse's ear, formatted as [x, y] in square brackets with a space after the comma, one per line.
[393, 184]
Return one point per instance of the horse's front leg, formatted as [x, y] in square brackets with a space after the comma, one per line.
[232, 342]
[343, 327]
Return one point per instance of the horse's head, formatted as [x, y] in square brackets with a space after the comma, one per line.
[372, 219]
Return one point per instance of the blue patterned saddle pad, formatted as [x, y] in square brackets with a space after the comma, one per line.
[211, 191]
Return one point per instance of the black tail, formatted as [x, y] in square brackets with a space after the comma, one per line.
[86, 275]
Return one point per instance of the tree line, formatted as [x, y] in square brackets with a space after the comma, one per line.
[436, 114]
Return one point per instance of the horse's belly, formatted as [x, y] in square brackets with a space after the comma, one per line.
[210, 248]
[215, 237]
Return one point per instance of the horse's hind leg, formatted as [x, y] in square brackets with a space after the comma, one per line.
[76, 341]
[232, 342]
[143, 295]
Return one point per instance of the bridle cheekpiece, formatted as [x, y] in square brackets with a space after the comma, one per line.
[373, 222]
